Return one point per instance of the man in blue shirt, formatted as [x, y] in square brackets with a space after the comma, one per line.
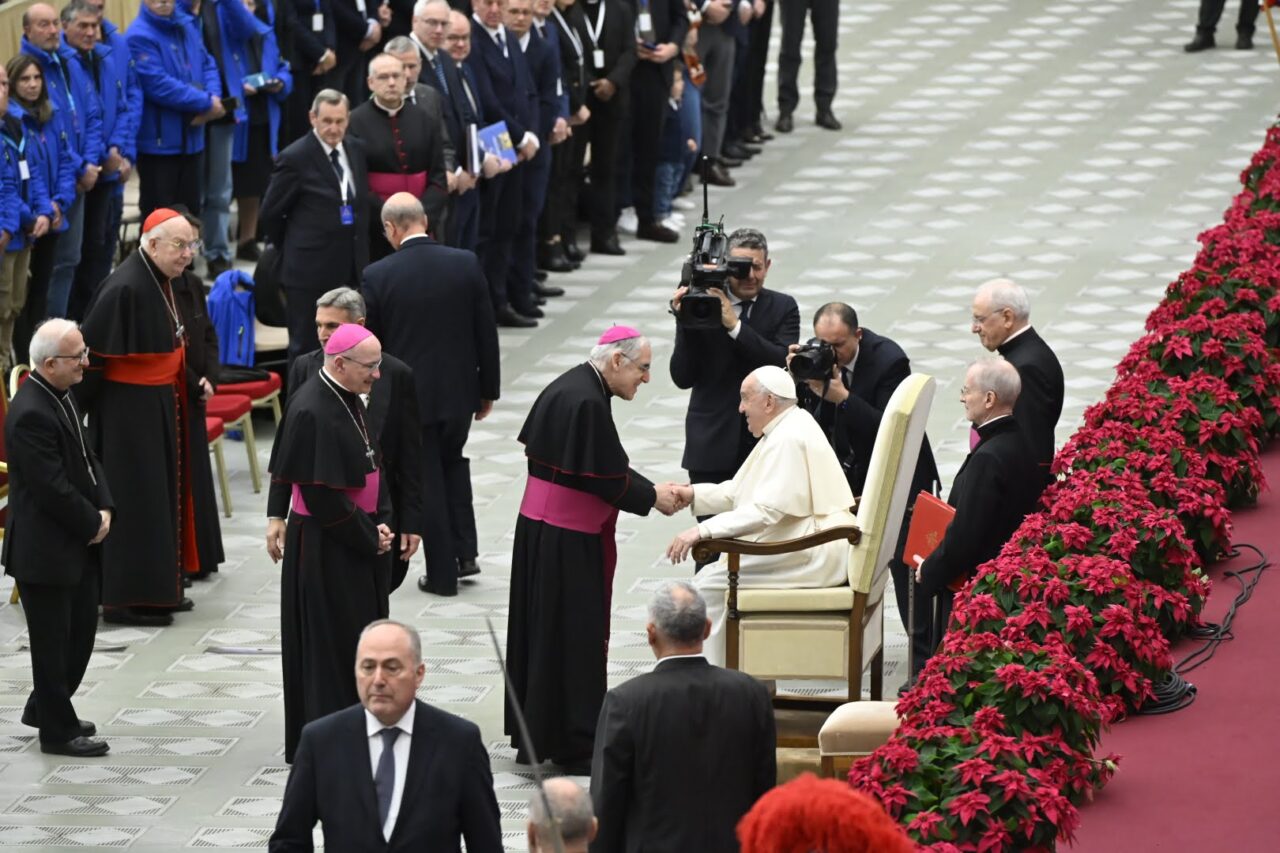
[77, 108]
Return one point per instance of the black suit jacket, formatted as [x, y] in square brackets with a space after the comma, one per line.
[879, 370]
[544, 70]
[506, 86]
[714, 365]
[53, 502]
[448, 789]
[572, 66]
[429, 304]
[618, 41]
[308, 44]
[301, 215]
[1040, 404]
[457, 109]
[681, 754]
[995, 488]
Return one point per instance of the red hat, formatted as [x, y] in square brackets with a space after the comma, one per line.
[157, 217]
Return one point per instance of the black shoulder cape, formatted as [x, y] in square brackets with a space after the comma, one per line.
[570, 427]
[318, 443]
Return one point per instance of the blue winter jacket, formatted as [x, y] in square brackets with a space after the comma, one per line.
[177, 77]
[30, 196]
[48, 154]
[79, 112]
[119, 93]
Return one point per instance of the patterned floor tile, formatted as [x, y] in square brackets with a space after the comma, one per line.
[90, 806]
[122, 774]
[182, 747]
[43, 837]
[223, 718]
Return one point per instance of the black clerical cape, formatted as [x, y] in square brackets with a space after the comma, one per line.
[331, 584]
[563, 562]
[135, 394]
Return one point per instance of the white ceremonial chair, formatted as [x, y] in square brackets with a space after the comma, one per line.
[833, 633]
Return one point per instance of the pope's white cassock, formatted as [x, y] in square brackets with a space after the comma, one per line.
[790, 486]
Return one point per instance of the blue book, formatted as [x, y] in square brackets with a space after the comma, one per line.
[496, 139]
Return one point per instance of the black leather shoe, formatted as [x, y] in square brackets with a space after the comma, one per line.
[729, 162]
[828, 119]
[86, 728]
[530, 311]
[760, 134]
[718, 177]
[547, 290]
[551, 257]
[1244, 41]
[248, 252]
[182, 606]
[571, 250]
[607, 246]
[539, 300]
[1202, 41]
[77, 747]
[187, 581]
[133, 616]
[506, 316]
[657, 232]
[784, 124]
[217, 266]
[430, 588]
[467, 568]
[738, 151]
[539, 275]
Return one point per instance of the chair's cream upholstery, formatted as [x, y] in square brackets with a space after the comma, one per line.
[804, 633]
[858, 728]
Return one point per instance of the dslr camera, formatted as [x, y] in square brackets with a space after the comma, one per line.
[813, 360]
[707, 266]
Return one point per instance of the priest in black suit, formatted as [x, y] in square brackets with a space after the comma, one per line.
[849, 407]
[393, 417]
[391, 774]
[756, 327]
[429, 304]
[338, 532]
[59, 512]
[995, 488]
[1002, 321]
[682, 752]
[315, 213]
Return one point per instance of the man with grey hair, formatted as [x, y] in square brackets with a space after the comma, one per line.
[995, 488]
[563, 560]
[682, 752]
[315, 212]
[393, 417]
[572, 818]
[136, 395]
[60, 511]
[1002, 321]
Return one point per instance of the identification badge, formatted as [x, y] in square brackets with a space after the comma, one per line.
[597, 59]
[347, 214]
[24, 170]
[317, 23]
[361, 6]
[559, 89]
[646, 22]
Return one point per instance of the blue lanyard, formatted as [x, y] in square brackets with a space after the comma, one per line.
[20, 147]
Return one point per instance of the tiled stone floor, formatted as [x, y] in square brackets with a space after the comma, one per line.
[1071, 145]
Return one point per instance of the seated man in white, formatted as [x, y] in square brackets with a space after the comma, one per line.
[790, 486]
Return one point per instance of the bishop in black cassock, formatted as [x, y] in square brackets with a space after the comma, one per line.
[337, 536]
[563, 561]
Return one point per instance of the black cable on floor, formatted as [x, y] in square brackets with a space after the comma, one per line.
[1174, 692]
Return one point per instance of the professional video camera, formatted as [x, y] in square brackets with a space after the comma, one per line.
[708, 266]
[813, 360]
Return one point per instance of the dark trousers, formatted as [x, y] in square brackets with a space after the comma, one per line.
[650, 88]
[36, 309]
[1211, 13]
[747, 103]
[826, 18]
[165, 180]
[103, 209]
[450, 524]
[61, 624]
[602, 133]
[300, 311]
[940, 614]
[557, 216]
[717, 49]
[525, 246]
[348, 76]
[500, 201]
[463, 227]
[920, 640]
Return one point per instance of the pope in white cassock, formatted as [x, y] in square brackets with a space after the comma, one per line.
[790, 486]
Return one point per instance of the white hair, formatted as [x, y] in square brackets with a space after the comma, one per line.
[1003, 293]
[629, 347]
[47, 339]
[420, 8]
[997, 376]
[159, 232]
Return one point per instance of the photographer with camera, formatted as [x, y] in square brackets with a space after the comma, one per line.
[727, 324]
[849, 375]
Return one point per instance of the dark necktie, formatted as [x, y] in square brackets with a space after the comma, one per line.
[846, 376]
[436, 67]
[542, 30]
[337, 167]
[746, 309]
[502, 42]
[384, 780]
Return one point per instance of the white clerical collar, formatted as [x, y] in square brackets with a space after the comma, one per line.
[660, 661]
[372, 725]
[986, 424]
[1025, 328]
[768, 428]
[386, 109]
[328, 149]
[413, 237]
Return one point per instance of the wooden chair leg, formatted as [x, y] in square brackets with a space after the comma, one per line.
[877, 675]
[13, 596]
[251, 447]
[828, 767]
[225, 484]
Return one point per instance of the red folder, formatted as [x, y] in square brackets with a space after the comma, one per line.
[929, 520]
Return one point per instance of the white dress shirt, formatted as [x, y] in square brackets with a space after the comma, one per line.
[348, 183]
[374, 727]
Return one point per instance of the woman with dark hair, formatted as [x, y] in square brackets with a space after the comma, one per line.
[48, 151]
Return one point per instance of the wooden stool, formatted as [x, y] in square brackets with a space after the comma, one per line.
[854, 730]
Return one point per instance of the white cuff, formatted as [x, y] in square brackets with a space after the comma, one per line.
[368, 31]
[736, 330]
[530, 137]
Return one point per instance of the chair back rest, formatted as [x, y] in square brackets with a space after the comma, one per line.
[893, 462]
[17, 376]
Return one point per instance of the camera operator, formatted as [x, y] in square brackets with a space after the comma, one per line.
[756, 327]
[865, 370]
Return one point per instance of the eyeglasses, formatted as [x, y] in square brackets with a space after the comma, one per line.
[978, 320]
[371, 365]
[435, 23]
[83, 355]
[194, 246]
[644, 368]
